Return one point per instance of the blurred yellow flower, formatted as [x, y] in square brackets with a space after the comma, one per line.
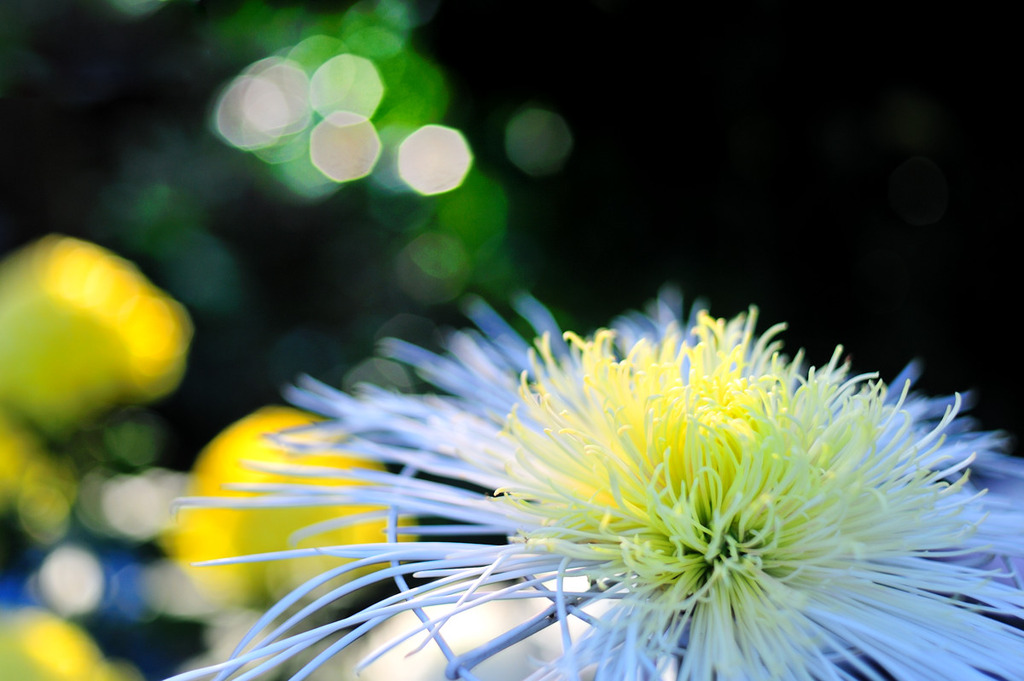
[32, 485]
[38, 646]
[83, 329]
[204, 533]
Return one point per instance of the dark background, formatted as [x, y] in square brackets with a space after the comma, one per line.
[750, 155]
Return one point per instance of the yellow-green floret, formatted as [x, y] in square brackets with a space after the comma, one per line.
[720, 483]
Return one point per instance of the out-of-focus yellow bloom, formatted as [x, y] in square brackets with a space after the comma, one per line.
[83, 329]
[38, 646]
[204, 533]
[32, 485]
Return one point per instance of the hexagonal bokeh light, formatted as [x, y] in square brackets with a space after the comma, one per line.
[268, 101]
[321, 112]
[344, 146]
[434, 159]
[346, 83]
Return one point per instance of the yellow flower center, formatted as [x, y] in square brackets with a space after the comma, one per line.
[708, 470]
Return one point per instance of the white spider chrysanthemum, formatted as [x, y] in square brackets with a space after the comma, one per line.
[710, 509]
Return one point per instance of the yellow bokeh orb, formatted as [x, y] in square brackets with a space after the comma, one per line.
[38, 646]
[83, 329]
[206, 533]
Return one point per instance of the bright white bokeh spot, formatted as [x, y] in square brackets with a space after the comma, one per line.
[419, 659]
[538, 141]
[270, 100]
[70, 581]
[434, 159]
[346, 83]
[168, 590]
[139, 506]
[344, 146]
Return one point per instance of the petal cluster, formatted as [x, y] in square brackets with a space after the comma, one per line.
[680, 499]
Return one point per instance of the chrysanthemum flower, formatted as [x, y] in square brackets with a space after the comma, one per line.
[709, 508]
